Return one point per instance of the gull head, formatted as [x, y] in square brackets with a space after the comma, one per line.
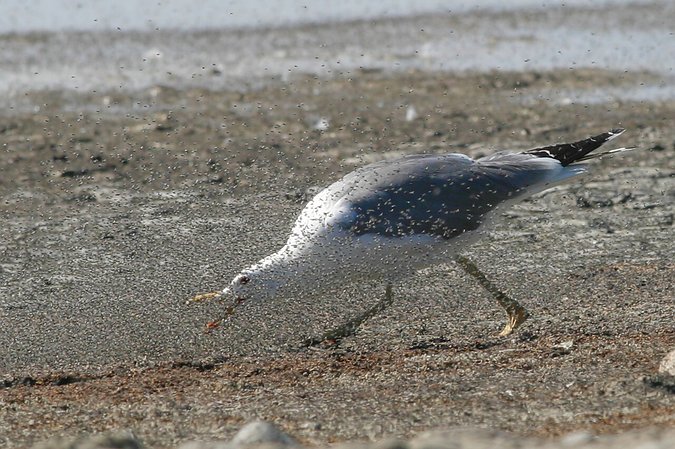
[279, 275]
[247, 286]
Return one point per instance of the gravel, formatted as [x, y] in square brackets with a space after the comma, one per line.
[263, 435]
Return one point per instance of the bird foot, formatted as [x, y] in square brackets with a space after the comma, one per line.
[516, 313]
[517, 316]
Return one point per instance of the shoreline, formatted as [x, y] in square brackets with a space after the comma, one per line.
[478, 41]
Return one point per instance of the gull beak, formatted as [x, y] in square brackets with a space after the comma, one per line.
[204, 297]
[229, 310]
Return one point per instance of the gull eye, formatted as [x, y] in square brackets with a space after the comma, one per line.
[243, 280]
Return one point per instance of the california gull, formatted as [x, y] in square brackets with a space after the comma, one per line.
[390, 218]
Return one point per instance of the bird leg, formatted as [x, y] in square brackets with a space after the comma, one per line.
[516, 314]
[350, 327]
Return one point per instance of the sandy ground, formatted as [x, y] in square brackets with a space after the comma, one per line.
[116, 208]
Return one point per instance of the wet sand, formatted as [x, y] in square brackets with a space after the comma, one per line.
[119, 205]
[110, 222]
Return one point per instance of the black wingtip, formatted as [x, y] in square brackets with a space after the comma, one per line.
[568, 153]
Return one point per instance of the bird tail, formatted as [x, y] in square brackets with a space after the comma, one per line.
[569, 153]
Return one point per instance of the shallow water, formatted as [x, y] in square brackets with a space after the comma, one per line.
[625, 37]
[17, 16]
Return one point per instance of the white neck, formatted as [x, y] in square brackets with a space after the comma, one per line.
[289, 272]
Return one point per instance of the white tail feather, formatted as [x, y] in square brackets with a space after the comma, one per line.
[606, 153]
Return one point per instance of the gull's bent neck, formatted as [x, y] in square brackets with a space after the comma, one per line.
[280, 269]
[290, 271]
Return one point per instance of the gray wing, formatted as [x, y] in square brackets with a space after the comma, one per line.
[428, 194]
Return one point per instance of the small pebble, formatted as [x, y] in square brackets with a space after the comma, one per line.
[322, 124]
[410, 114]
[260, 432]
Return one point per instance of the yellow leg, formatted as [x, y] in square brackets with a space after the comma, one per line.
[350, 327]
[516, 314]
